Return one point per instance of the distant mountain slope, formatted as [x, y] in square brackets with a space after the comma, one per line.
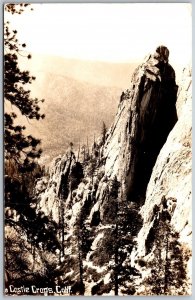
[73, 109]
[79, 96]
[94, 72]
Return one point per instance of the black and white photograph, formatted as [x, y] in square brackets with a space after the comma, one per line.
[97, 149]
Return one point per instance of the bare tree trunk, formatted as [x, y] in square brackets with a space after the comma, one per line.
[116, 285]
[87, 148]
[80, 256]
[78, 152]
[34, 255]
[62, 211]
[6, 267]
[166, 264]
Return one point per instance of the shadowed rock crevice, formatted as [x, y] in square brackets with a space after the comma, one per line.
[156, 116]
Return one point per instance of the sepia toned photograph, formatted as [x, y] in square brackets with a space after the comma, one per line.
[98, 149]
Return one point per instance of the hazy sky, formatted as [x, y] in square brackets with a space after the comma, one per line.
[107, 32]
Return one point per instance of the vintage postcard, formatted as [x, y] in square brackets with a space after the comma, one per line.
[97, 137]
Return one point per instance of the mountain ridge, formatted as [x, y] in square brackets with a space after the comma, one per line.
[82, 85]
[124, 199]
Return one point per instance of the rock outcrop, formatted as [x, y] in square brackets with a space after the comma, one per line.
[139, 170]
[146, 115]
[169, 188]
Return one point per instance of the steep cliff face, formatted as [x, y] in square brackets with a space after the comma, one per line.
[171, 176]
[102, 200]
[146, 115]
[169, 188]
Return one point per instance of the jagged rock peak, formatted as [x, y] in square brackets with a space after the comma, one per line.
[169, 191]
[146, 114]
[139, 175]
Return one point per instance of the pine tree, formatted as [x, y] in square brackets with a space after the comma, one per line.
[83, 152]
[79, 233]
[124, 223]
[21, 154]
[21, 148]
[168, 275]
[103, 132]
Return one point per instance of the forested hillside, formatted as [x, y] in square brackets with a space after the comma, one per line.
[70, 88]
[98, 195]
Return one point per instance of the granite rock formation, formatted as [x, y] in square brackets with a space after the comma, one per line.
[137, 174]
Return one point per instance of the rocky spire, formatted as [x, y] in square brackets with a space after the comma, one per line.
[147, 155]
[146, 115]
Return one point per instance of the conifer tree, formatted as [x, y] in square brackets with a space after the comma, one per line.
[169, 263]
[118, 241]
[103, 132]
[21, 148]
[34, 233]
